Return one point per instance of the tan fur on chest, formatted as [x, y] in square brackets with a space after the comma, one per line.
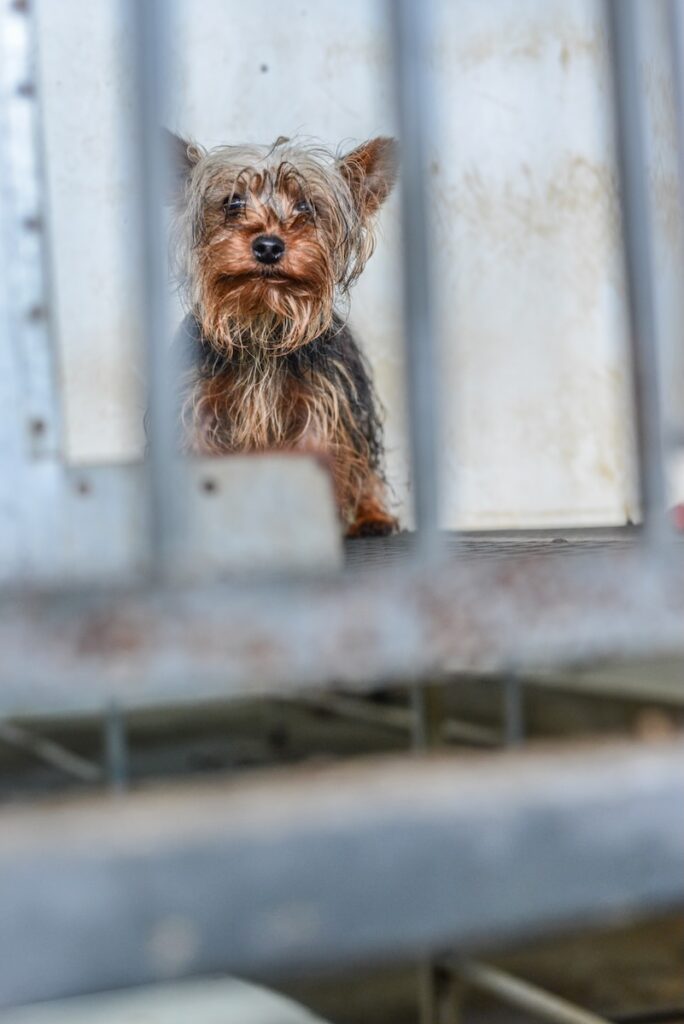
[259, 405]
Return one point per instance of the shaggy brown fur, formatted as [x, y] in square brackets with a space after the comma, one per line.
[273, 365]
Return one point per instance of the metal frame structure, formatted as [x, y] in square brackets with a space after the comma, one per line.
[273, 875]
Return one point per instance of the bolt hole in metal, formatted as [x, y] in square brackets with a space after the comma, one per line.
[37, 427]
[209, 485]
[35, 313]
[34, 223]
[84, 487]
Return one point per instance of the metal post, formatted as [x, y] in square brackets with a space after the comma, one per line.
[439, 995]
[116, 749]
[410, 23]
[514, 714]
[429, 713]
[639, 264]
[676, 31]
[427, 705]
[410, 27]
[150, 19]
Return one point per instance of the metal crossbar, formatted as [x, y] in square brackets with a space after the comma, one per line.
[76, 652]
[314, 869]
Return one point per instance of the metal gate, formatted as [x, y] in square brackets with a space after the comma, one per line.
[116, 597]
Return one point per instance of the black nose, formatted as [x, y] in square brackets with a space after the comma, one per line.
[268, 248]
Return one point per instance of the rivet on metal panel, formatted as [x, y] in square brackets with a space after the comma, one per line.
[33, 223]
[37, 427]
[84, 487]
[27, 90]
[209, 485]
[35, 313]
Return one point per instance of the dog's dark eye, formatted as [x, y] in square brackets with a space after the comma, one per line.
[234, 204]
[304, 206]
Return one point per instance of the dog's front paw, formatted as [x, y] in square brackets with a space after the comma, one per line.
[378, 526]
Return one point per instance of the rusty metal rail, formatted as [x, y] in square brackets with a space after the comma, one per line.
[76, 652]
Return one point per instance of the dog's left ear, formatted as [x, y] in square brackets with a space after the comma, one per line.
[370, 171]
[182, 156]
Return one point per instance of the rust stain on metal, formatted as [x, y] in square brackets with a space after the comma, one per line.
[110, 634]
[477, 613]
[518, 41]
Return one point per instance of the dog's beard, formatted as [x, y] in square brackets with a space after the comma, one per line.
[266, 311]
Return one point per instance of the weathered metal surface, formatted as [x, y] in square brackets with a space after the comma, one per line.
[23, 224]
[306, 869]
[79, 527]
[78, 652]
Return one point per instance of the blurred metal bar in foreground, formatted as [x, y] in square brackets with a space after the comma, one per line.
[71, 653]
[151, 33]
[643, 325]
[308, 869]
[411, 24]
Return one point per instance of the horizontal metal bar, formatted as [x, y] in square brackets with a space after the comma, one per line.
[308, 869]
[523, 995]
[77, 652]
[656, 680]
[396, 718]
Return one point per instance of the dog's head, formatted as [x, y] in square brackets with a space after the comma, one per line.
[266, 238]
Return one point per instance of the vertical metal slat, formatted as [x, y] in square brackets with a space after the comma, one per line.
[410, 24]
[629, 107]
[151, 24]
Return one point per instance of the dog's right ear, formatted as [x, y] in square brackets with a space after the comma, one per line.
[182, 157]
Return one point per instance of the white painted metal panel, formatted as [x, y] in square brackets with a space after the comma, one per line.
[527, 242]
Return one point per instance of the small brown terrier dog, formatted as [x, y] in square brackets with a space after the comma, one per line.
[267, 242]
